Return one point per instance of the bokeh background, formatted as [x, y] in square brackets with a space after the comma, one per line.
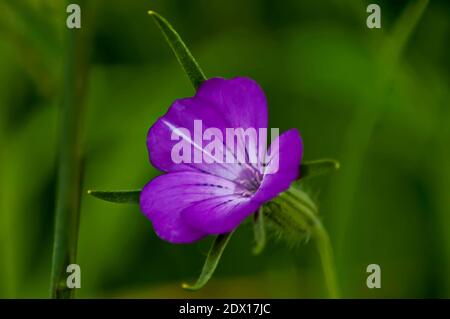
[376, 100]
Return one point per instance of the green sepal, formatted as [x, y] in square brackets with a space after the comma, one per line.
[184, 56]
[259, 232]
[318, 167]
[211, 262]
[120, 197]
[293, 214]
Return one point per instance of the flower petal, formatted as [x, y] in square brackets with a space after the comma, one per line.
[219, 215]
[240, 100]
[166, 196]
[283, 166]
[219, 104]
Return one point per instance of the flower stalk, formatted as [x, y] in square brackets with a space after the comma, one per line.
[295, 215]
[259, 232]
[327, 260]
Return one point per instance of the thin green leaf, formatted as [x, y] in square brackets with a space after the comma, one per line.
[184, 56]
[318, 167]
[122, 197]
[259, 232]
[211, 262]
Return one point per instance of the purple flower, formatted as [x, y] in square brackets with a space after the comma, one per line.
[197, 199]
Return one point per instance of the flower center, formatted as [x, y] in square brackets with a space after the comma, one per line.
[250, 180]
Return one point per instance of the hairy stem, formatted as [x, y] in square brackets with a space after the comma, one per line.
[327, 260]
[320, 235]
[295, 214]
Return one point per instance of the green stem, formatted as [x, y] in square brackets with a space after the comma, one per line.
[70, 161]
[8, 274]
[326, 256]
[295, 213]
[319, 233]
[259, 233]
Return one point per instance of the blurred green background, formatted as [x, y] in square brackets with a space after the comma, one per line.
[377, 100]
